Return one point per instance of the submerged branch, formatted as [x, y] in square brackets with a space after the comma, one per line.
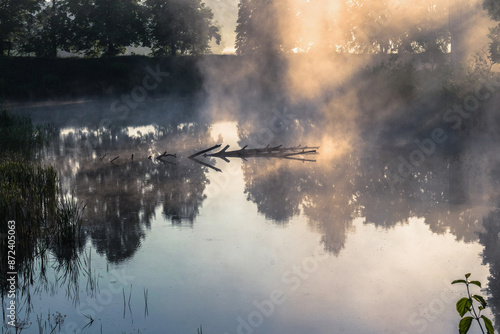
[164, 155]
[204, 151]
[205, 164]
[266, 152]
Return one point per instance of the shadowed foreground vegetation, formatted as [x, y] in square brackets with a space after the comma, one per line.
[30, 196]
[19, 137]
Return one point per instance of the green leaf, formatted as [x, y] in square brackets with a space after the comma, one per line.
[488, 324]
[476, 283]
[463, 306]
[459, 281]
[464, 325]
[467, 275]
[480, 300]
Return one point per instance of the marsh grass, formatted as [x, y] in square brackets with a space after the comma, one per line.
[68, 222]
[129, 302]
[146, 310]
[92, 278]
[20, 137]
[28, 191]
[91, 321]
[30, 196]
[52, 324]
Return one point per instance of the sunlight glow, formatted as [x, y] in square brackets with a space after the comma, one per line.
[139, 131]
[227, 131]
[64, 132]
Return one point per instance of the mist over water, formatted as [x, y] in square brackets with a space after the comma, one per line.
[401, 199]
[358, 192]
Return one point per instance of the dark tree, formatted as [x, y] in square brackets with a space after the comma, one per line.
[13, 16]
[257, 30]
[494, 36]
[47, 30]
[493, 8]
[105, 27]
[365, 27]
[371, 26]
[180, 27]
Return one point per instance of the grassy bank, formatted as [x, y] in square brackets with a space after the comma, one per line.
[24, 78]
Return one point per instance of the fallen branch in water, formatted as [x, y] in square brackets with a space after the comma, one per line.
[164, 155]
[166, 162]
[204, 151]
[205, 164]
[299, 153]
[300, 159]
[266, 152]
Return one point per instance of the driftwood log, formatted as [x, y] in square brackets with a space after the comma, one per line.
[293, 153]
[266, 152]
[280, 152]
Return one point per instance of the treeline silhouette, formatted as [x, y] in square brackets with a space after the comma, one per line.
[28, 78]
[105, 27]
[170, 27]
[433, 28]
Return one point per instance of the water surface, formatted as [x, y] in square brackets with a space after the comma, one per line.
[257, 245]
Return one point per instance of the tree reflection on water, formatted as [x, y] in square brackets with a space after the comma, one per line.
[123, 195]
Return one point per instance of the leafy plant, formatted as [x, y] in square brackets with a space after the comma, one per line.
[466, 304]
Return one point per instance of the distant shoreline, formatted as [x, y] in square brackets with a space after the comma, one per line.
[24, 79]
[34, 80]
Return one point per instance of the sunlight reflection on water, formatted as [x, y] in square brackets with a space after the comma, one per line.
[213, 247]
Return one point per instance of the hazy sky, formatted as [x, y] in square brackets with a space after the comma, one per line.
[226, 14]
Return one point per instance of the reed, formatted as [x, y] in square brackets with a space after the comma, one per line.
[124, 304]
[146, 310]
[68, 222]
[20, 137]
[30, 196]
[130, 295]
[91, 321]
[28, 193]
[92, 277]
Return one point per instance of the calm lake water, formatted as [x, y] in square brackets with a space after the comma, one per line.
[336, 242]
